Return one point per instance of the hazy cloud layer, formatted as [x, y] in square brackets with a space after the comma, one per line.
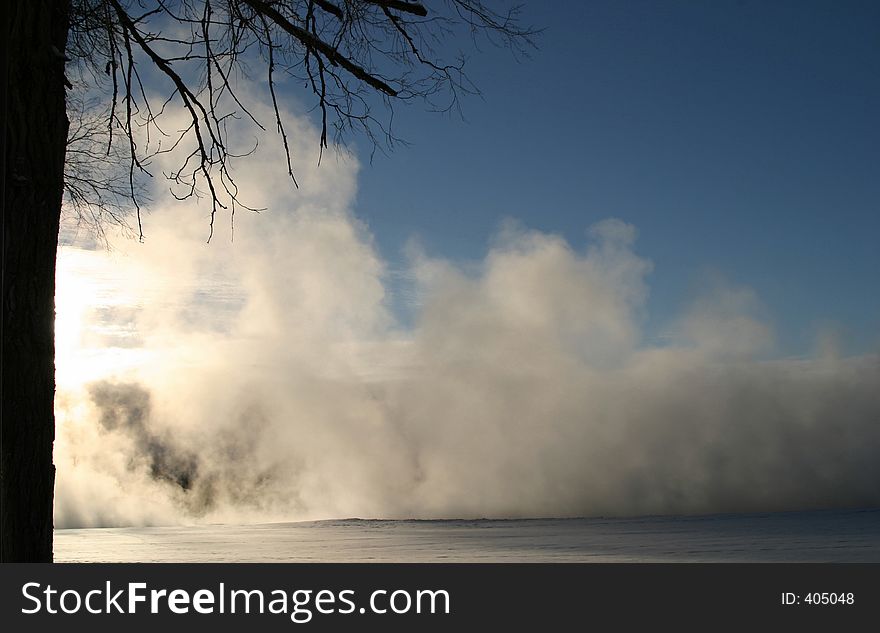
[266, 378]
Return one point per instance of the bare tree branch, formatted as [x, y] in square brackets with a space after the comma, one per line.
[314, 44]
[400, 5]
[356, 57]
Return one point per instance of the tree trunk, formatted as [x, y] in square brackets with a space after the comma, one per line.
[35, 136]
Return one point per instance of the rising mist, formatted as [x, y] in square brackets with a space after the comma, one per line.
[268, 378]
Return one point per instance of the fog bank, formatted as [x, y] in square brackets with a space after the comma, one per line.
[267, 378]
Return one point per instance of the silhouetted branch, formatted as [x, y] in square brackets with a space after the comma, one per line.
[351, 54]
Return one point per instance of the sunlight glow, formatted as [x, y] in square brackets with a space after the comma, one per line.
[88, 347]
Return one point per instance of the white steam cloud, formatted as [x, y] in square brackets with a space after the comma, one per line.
[267, 379]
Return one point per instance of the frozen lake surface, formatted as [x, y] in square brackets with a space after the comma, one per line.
[816, 536]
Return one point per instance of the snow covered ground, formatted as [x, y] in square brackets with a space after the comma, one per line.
[820, 536]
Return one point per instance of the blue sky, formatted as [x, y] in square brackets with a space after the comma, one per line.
[741, 138]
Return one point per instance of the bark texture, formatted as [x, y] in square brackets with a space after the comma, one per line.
[34, 138]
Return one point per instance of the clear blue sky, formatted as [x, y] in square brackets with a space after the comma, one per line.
[741, 138]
